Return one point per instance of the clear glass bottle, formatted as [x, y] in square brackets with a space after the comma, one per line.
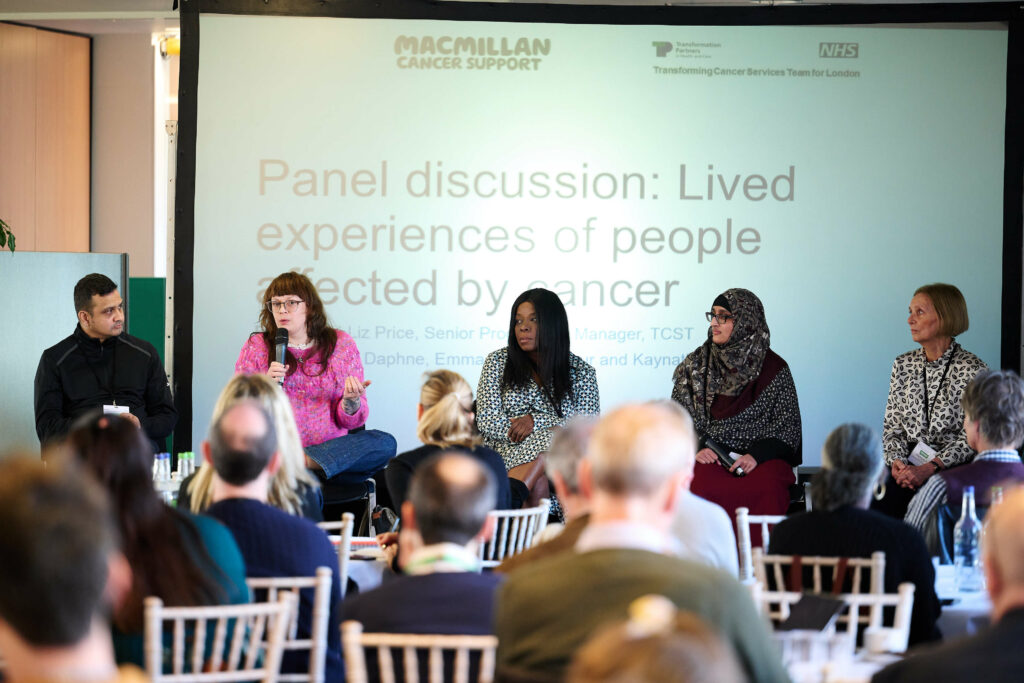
[967, 546]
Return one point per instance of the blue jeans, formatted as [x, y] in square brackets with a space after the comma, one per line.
[357, 456]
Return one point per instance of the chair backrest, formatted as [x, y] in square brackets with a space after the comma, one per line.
[836, 575]
[344, 528]
[355, 642]
[514, 532]
[247, 641]
[743, 538]
[777, 605]
[316, 644]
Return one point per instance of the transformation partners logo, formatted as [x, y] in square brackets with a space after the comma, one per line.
[463, 52]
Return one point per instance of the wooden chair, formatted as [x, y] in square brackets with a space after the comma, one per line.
[343, 528]
[835, 575]
[743, 538]
[514, 531]
[256, 632]
[316, 644]
[459, 649]
[777, 605]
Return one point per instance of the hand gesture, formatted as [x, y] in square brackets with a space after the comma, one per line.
[521, 428]
[706, 456]
[746, 461]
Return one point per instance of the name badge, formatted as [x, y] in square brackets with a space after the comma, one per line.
[921, 454]
[114, 410]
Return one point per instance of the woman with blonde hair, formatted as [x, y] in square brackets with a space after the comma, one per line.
[292, 488]
[446, 422]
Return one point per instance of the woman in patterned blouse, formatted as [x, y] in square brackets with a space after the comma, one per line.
[533, 385]
[323, 378]
[924, 397]
[741, 395]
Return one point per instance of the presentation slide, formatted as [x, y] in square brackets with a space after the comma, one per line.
[424, 173]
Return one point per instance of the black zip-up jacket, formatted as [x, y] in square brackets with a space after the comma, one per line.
[81, 374]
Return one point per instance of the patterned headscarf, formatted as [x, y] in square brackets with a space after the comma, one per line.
[725, 369]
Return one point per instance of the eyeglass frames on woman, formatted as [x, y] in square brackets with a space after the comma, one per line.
[291, 305]
[722, 318]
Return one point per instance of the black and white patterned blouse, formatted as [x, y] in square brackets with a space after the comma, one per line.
[495, 409]
[904, 423]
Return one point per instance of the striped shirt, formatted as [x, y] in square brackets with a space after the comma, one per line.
[923, 505]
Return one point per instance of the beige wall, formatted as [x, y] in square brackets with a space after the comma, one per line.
[44, 138]
[122, 138]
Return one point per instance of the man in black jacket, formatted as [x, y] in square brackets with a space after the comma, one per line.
[101, 367]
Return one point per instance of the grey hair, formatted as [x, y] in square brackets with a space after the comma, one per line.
[995, 400]
[851, 461]
[568, 448]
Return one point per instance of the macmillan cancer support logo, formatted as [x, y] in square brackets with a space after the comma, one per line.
[661, 47]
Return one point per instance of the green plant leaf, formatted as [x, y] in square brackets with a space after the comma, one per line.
[10, 241]
[3, 238]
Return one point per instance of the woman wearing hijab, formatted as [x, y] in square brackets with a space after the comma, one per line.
[742, 399]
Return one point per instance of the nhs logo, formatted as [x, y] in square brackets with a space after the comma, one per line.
[841, 50]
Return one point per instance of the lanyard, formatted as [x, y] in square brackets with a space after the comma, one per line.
[924, 380]
[113, 371]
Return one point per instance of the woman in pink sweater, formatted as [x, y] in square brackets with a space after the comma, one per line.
[322, 376]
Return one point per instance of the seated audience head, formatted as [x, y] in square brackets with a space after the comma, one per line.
[657, 644]
[445, 412]
[59, 564]
[450, 496]
[117, 453]
[99, 307]
[640, 456]
[243, 448]
[568, 448]
[851, 462]
[994, 410]
[291, 474]
[1003, 551]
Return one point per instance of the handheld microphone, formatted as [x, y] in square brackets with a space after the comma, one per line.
[281, 347]
[724, 457]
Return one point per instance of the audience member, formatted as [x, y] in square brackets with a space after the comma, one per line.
[185, 560]
[840, 524]
[658, 644]
[59, 568]
[993, 406]
[568, 448]
[100, 366]
[443, 520]
[994, 654]
[445, 421]
[640, 460]
[243, 451]
[292, 488]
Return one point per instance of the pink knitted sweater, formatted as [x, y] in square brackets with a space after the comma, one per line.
[316, 399]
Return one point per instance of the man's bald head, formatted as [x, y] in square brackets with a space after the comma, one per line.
[242, 442]
[636, 448]
[451, 495]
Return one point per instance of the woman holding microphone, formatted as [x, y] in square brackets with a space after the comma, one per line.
[323, 378]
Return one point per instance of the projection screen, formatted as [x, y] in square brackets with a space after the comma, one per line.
[424, 173]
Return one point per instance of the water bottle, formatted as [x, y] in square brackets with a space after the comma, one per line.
[966, 546]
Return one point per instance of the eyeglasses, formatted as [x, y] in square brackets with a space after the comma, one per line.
[291, 305]
[722, 318]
